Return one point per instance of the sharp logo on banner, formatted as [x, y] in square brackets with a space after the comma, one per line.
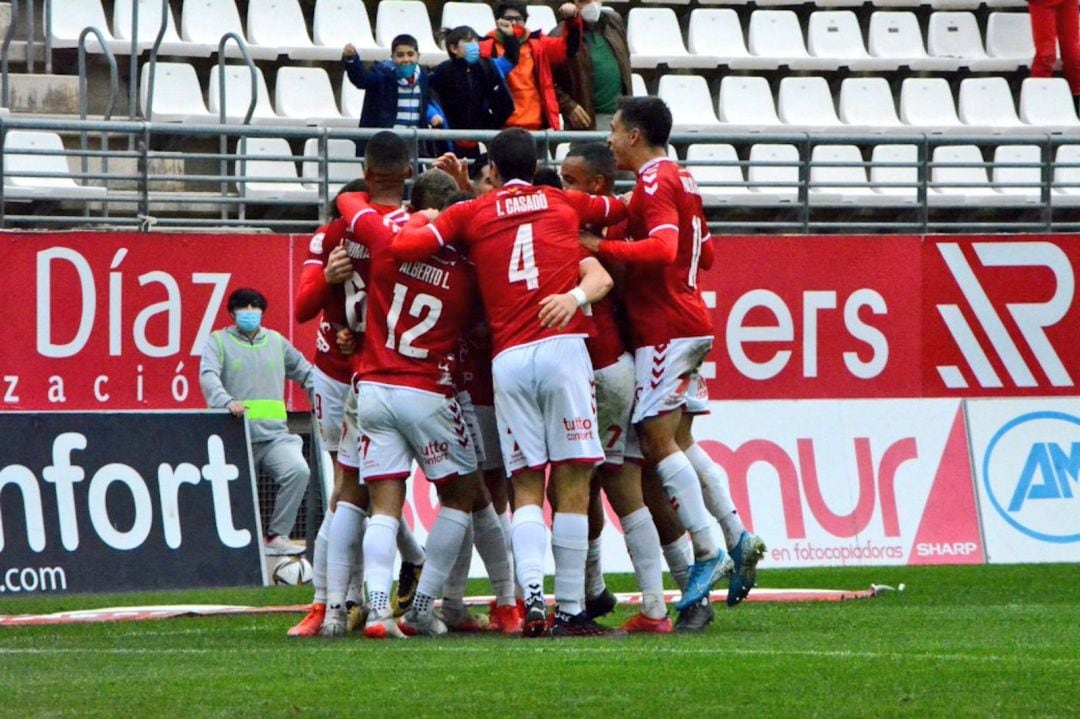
[1031, 471]
[1031, 319]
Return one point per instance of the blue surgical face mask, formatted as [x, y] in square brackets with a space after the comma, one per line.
[472, 52]
[405, 71]
[248, 320]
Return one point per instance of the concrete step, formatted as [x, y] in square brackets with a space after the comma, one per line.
[44, 94]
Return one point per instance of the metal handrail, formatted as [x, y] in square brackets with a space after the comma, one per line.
[6, 49]
[222, 109]
[114, 90]
[151, 67]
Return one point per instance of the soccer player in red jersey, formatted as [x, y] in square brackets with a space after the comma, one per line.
[534, 278]
[672, 331]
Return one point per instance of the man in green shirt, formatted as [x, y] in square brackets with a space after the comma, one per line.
[589, 85]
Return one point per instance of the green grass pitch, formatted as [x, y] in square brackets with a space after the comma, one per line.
[994, 641]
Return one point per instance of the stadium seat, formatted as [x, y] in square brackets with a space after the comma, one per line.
[655, 39]
[716, 38]
[342, 164]
[953, 5]
[263, 171]
[836, 35]
[927, 102]
[281, 24]
[956, 178]
[17, 165]
[206, 21]
[238, 96]
[637, 83]
[304, 94]
[747, 101]
[838, 177]
[690, 102]
[352, 99]
[339, 22]
[395, 17]
[807, 101]
[896, 35]
[67, 21]
[1066, 190]
[1022, 183]
[987, 101]
[149, 25]
[773, 171]
[478, 16]
[1047, 102]
[956, 35]
[993, 4]
[776, 34]
[177, 94]
[721, 181]
[541, 17]
[666, 2]
[893, 172]
[1008, 37]
[868, 101]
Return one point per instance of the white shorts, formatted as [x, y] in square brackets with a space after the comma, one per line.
[545, 404]
[697, 396]
[349, 448]
[614, 403]
[468, 411]
[664, 375]
[400, 424]
[488, 431]
[329, 408]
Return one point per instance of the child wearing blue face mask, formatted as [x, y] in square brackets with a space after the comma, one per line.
[396, 91]
[471, 88]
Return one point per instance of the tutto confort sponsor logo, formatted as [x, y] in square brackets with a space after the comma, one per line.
[1031, 473]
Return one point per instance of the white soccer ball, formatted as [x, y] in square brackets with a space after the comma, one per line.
[292, 570]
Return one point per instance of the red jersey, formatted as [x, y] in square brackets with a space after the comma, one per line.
[666, 229]
[475, 360]
[523, 241]
[605, 343]
[314, 296]
[416, 312]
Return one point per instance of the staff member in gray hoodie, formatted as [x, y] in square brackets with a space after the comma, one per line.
[243, 369]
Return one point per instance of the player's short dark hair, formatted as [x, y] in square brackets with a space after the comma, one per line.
[431, 190]
[386, 152]
[547, 176]
[513, 152]
[597, 155]
[459, 196]
[459, 34]
[519, 5]
[245, 297]
[649, 115]
[404, 39]
[357, 185]
[476, 167]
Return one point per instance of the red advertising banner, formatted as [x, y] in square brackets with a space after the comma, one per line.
[810, 317]
[1000, 316]
[117, 320]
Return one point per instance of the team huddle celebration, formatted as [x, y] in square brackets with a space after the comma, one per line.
[522, 340]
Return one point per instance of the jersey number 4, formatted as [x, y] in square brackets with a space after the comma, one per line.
[523, 260]
[420, 303]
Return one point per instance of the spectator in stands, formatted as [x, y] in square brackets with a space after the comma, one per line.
[243, 369]
[397, 91]
[591, 82]
[471, 88]
[531, 83]
[1056, 23]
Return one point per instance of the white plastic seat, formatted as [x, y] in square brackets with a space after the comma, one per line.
[956, 179]
[654, 38]
[836, 35]
[807, 101]
[478, 16]
[342, 164]
[304, 94]
[17, 186]
[177, 94]
[69, 19]
[339, 22]
[352, 99]
[896, 35]
[893, 172]
[1022, 183]
[716, 38]
[1066, 190]
[927, 102]
[838, 177]
[637, 84]
[987, 101]
[281, 24]
[1008, 37]
[395, 17]
[205, 22]
[149, 24]
[541, 17]
[993, 4]
[956, 35]
[238, 97]
[868, 101]
[721, 182]
[263, 173]
[773, 171]
[1047, 102]
[690, 101]
[747, 101]
[777, 35]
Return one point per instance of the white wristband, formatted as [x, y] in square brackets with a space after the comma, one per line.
[579, 296]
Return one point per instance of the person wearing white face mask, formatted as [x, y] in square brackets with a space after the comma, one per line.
[590, 84]
[243, 369]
